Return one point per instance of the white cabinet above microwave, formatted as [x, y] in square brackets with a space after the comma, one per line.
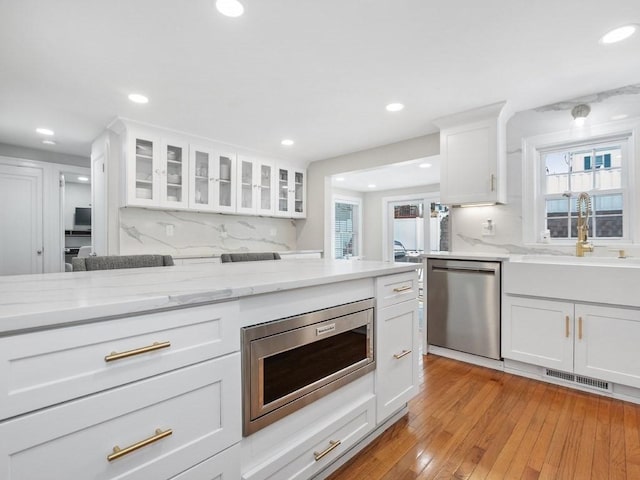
[473, 153]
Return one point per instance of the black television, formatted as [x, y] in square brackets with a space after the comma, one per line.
[83, 217]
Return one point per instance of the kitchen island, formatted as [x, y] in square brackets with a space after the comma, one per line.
[137, 373]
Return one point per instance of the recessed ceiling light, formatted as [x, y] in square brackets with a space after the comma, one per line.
[425, 165]
[371, 185]
[287, 142]
[339, 179]
[138, 98]
[619, 117]
[394, 107]
[48, 142]
[618, 34]
[83, 179]
[44, 131]
[230, 8]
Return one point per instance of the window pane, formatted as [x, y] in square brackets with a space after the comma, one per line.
[556, 163]
[558, 227]
[609, 226]
[559, 207]
[607, 204]
[557, 169]
[581, 161]
[346, 221]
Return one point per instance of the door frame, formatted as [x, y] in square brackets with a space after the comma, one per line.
[387, 232]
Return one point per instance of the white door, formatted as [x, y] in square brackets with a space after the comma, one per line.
[21, 243]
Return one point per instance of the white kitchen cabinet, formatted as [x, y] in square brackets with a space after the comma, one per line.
[473, 152]
[292, 192]
[44, 368]
[256, 184]
[78, 439]
[157, 171]
[538, 331]
[606, 345]
[397, 343]
[212, 180]
[599, 342]
[315, 452]
[223, 466]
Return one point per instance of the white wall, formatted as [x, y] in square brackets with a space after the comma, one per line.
[313, 233]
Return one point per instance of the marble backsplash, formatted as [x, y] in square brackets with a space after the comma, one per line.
[201, 234]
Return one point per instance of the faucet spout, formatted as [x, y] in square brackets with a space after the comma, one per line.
[583, 206]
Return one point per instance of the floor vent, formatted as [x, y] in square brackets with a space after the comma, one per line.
[579, 379]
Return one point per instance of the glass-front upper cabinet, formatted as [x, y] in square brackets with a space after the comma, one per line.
[256, 186]
[174, 173]
[213, 180]
[292, 188]
[142, 167]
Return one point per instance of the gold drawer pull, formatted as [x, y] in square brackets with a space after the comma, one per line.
[566, 326]
[137, 351]
[121, 452]
[404, 353]
[402, 289]
[579, 328]
[332, 445]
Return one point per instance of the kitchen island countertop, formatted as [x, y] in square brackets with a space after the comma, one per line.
[41, 300]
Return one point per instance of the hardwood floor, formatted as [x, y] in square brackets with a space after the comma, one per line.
[473, 422]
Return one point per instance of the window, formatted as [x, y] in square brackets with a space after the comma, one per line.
[593, 168]
[346, 228]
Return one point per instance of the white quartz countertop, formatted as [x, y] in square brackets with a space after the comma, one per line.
[495, 257]
[35, 301]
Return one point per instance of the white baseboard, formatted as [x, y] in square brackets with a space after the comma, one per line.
[467, 357]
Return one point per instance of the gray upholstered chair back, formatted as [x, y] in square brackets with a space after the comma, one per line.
[112, 262]
[249, 257]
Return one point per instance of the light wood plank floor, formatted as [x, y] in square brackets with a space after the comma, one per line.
[473, 422]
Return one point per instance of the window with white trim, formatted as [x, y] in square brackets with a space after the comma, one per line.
[347, 226]
[595, 168]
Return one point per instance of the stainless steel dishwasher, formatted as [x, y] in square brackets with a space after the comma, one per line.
[463, 306]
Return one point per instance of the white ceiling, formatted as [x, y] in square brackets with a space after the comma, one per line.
[399, 175]
[317, 71]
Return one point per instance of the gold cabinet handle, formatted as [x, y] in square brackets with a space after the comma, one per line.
[566, 326]
[332, 445]
[404, 353]
[136, 351]
[121, 452]
[579, 328]
[402, 289]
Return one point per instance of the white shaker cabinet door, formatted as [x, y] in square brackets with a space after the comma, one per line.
[607, 344]
[539, 332]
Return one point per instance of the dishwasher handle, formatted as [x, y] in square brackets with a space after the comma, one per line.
[461, 269]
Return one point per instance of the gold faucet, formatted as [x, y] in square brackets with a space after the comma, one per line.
[582, 245]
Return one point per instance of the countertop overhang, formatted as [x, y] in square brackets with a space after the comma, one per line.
[41, 300]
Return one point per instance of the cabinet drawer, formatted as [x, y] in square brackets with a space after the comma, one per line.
[44, 368]
[223, 466]
[317, 452]
[397, 357]
[398, 288]
[198, 404]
